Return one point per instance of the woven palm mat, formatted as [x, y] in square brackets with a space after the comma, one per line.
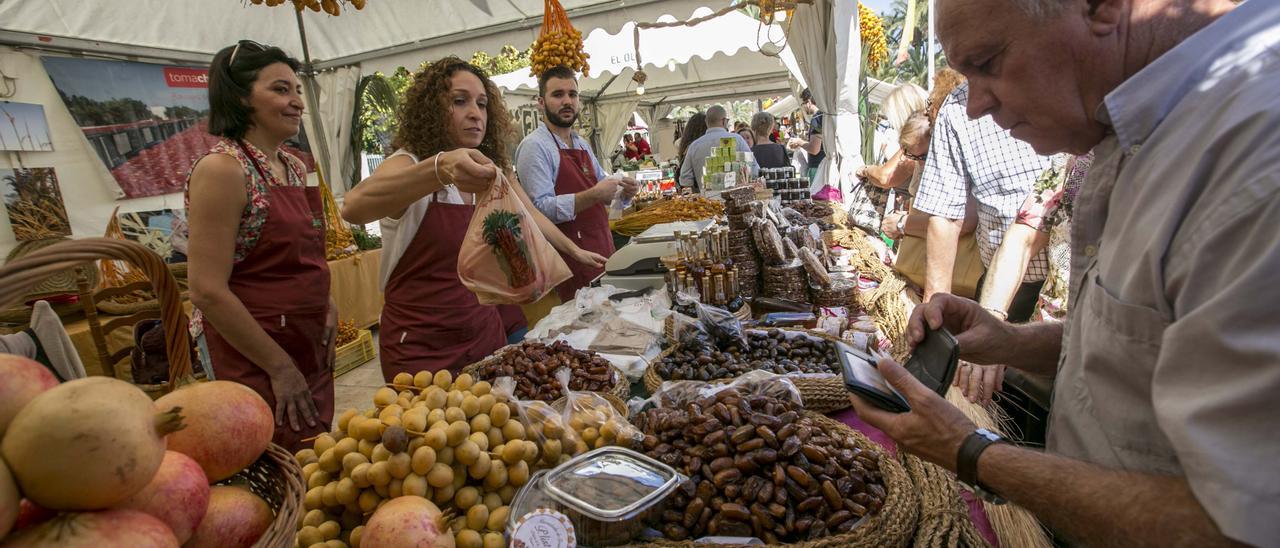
[892, 527]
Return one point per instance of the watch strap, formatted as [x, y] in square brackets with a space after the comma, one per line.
[970, 450]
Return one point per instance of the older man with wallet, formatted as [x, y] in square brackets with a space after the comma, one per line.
[1162, 430]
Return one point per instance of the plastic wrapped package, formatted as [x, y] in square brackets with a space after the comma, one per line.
[596, 421]
[543, 424]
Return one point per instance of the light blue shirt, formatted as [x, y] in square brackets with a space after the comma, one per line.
[538, 162]
[696, 156]
[1171, 359]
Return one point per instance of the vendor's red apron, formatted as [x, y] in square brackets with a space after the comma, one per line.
[284, 284]
[430, 321]
[590, 229]
[512, 318]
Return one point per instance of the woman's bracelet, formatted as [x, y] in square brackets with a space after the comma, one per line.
[443, 184]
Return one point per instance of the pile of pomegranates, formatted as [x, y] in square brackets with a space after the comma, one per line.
[94, 462]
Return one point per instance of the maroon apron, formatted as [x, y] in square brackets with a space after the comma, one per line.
[430, 321]
[284, 284]
[590, 228]
[512, 318]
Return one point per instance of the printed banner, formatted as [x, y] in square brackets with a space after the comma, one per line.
[147, 122]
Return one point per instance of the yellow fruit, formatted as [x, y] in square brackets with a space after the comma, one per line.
[357, 534]
[459, 476]
[310, 535]
[445, 455]
[352, 460]
[481, 388]
[393, 410]
[479, 423]
[366, 449]
[436, 438]
[492, 501]
[466, 452]
[415, 443]
[468, 538]
[494, 540]
[443, 495]
[487, 402]
[440, 476]
[313, 499]
[402, 379]
[464, 381]
[319, 478]
[306, 456]
[329, 494]
[507, 494]
[495, 437]
[360, 475]
[347, 492]
[422, 379]
[415, 486]
[498, 518]
[368, 501]
[400, 465]
[497, 476]
[379, 474]
[455, 414]
[513, 430]
[423, 459]
[380, 453]
[443, 379]
[477, 517]
[530, 451]
[436, 416]
[551, 451]
[324, 442]
[480, 439]
[345, 446]
[414, 420]
[395, 489]
[499, 413]
[455, 433]
[385, 396]
[466, 498]
[436, 397]
[455, 398]
[480, 468]
[518, 473]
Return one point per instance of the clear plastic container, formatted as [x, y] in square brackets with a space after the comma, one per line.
[607, 493]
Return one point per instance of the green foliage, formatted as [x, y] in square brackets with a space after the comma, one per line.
[91, 112]
[498, 221]
[364, 240]
[509, 59]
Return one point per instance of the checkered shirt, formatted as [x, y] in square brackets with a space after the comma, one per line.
[977, 157]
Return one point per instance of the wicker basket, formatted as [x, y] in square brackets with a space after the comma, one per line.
[277, 478]
[820, 394]
[892, 527]
[621, 386]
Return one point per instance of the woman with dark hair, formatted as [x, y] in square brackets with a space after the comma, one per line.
[693, 129]
[258, 274]
[451, 141]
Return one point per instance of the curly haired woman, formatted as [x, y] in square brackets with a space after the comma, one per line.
[451, 141]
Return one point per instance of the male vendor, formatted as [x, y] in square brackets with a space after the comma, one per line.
[563, 178]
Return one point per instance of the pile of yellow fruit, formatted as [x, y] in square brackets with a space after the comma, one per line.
[871, 29]
[558, 43]
[347, 332]
[455, 442]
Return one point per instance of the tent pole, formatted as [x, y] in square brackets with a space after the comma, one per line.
[319, 139]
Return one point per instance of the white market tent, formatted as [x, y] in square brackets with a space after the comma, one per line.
[386, 34]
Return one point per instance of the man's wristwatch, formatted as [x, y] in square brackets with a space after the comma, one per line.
[967, 462]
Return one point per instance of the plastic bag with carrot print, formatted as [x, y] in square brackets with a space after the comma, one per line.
[504, 258]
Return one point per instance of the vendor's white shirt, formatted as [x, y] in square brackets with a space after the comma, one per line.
[398, 233]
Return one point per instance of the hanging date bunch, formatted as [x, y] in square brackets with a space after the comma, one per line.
[871, 29]
[558, 43]
[331, 7]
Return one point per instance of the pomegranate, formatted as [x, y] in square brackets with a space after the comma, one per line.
[87, 444]
[30, 513]
[20, 380]
[9, 500]
[113, 527]
[228, 426]
[178, 495]
[235, 518]
[409, 522]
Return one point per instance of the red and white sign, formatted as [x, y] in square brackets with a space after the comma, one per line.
[176, 77]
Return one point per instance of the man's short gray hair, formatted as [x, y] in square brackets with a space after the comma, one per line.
[716, 115]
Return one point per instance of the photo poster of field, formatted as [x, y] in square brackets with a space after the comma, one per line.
[33, 202]
[24, 128]
[147, 122]
[163, 231]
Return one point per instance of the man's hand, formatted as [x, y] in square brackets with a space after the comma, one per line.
[979, 382]
[932, 430]
[467, 168]
[629, 187]
[983, 338]
[605, 189]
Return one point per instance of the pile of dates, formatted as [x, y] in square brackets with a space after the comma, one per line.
[757, 468]
[769, 351]
[533, 366]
